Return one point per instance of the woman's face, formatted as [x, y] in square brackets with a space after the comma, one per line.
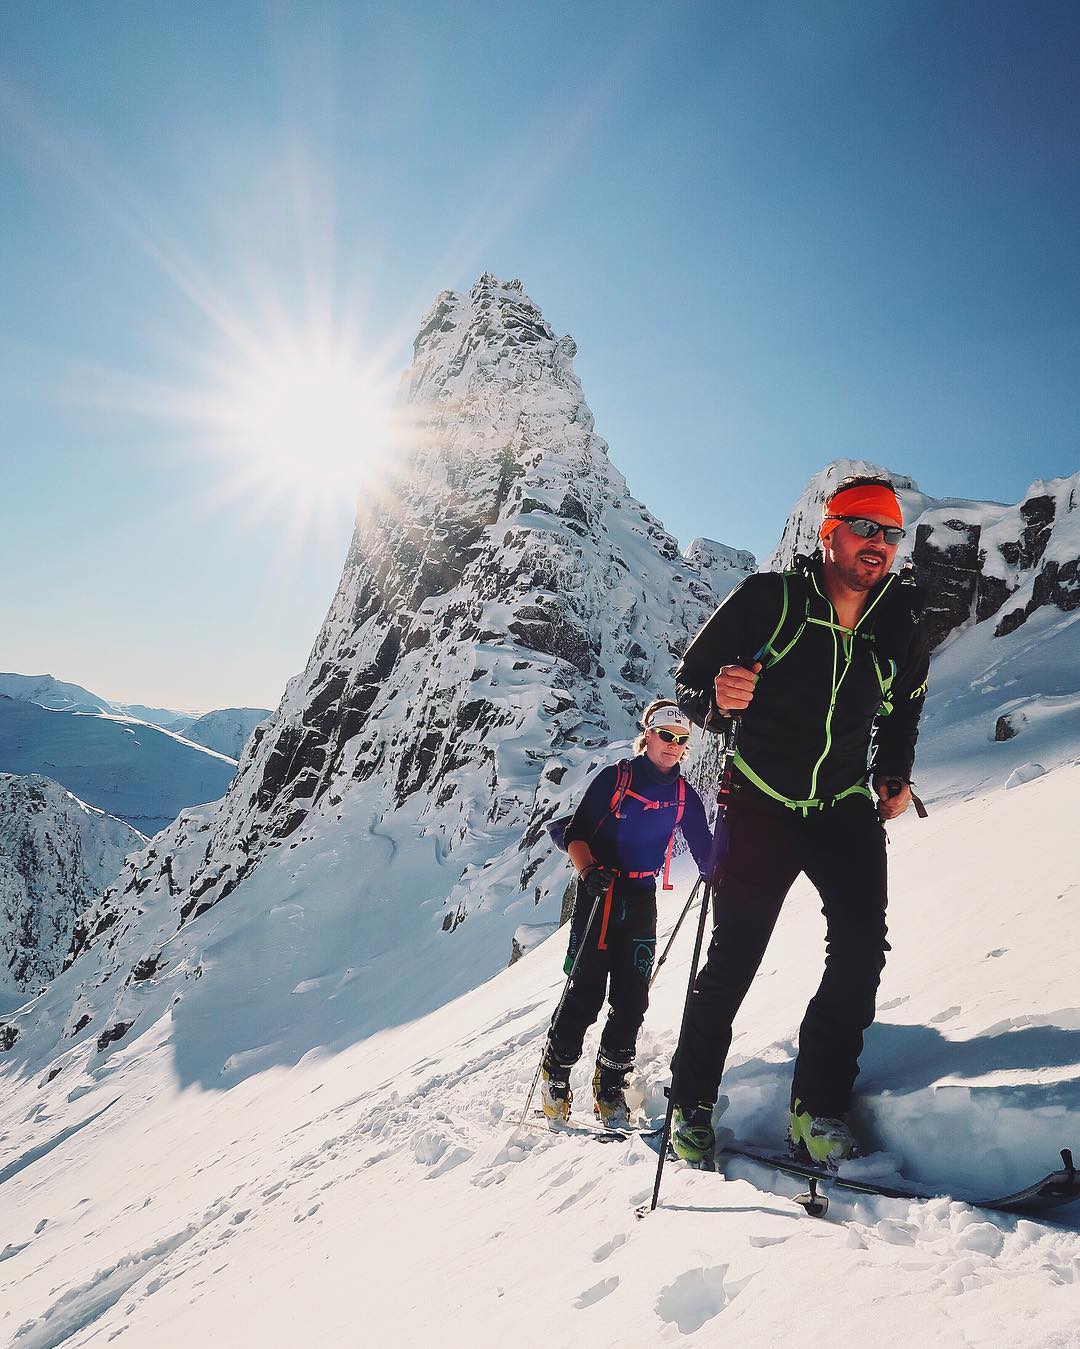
[664, 754]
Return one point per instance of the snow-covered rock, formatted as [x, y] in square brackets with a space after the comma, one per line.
[57, 854]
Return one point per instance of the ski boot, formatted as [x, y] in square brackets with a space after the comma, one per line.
[825, 1139]
[555, 1094]
[692, 1136]
[609, 1094]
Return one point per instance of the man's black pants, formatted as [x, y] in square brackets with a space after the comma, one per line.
[841, 849]
[617, 960]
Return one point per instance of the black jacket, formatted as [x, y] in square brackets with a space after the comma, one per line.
[808, 731]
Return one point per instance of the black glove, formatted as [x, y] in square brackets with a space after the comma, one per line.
[594, 881]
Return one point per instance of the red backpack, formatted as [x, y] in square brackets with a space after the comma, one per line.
[623, 788]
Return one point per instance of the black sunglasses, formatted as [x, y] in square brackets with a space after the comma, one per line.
[868, 529]
[673, 737]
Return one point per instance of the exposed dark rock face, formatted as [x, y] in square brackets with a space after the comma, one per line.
[946, 561]
[1005, 729]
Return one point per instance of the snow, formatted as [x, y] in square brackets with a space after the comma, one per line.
[276, 1160]
[52, 693]
[226, 730]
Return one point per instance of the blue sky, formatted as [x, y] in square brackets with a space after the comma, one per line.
[779, 233]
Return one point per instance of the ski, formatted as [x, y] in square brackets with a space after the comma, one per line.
[580, 1127]
[1051, 1191]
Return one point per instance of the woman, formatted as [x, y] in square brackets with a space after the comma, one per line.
[618, 840]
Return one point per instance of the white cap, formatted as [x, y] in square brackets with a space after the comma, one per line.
[667, 715]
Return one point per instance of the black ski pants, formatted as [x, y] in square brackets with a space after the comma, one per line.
[841, 849]
[619, 966]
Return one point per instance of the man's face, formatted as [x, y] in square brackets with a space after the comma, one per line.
[860, 563]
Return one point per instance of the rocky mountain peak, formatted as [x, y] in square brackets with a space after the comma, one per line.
[505, 611]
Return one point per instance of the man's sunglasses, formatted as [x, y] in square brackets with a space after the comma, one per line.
[673, 737]
[868, 529]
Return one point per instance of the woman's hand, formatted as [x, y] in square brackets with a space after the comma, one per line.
[595, 880]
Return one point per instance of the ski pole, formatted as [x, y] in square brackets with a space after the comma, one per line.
[675, 931]
[558, 1009]
[706, 898]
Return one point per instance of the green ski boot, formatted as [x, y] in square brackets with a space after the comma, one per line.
[826, 1139]
[692, 1135]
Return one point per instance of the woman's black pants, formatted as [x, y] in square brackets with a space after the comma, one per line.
[616, 961]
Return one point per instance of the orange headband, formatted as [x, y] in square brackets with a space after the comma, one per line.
[861, 501]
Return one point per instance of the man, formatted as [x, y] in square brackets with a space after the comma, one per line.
[826, 665]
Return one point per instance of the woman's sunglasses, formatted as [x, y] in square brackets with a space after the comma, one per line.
[673, 737]
[868, 529]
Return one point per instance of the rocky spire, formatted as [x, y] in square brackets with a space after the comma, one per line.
[505, 611]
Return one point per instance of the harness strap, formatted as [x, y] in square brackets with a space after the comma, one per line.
[622, 786]
[809, 803]
[680, 807]
[601, 944]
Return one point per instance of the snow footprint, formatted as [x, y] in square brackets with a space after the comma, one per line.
[694, 1298]
[597, 1292]
[610, 1247]
[893, 1002]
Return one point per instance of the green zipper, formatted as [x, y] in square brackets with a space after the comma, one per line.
[848, 651]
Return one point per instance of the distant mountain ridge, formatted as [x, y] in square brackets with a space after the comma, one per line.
[138, 772]
[52, 693]
[227, 729]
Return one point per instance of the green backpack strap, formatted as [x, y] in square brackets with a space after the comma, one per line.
[885, 681]
[774, 650]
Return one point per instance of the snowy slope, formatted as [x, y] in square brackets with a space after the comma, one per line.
[227, 729]
[373, 1191]
[137, 772]
[57, 855]
[170, 718]
[52, 693]
[504, 613]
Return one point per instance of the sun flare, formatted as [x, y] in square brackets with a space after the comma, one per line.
[310, 422]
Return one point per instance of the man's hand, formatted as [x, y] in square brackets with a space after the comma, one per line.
[734, 687]
[894, 797]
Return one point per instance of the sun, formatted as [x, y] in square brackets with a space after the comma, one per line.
[309, 421]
